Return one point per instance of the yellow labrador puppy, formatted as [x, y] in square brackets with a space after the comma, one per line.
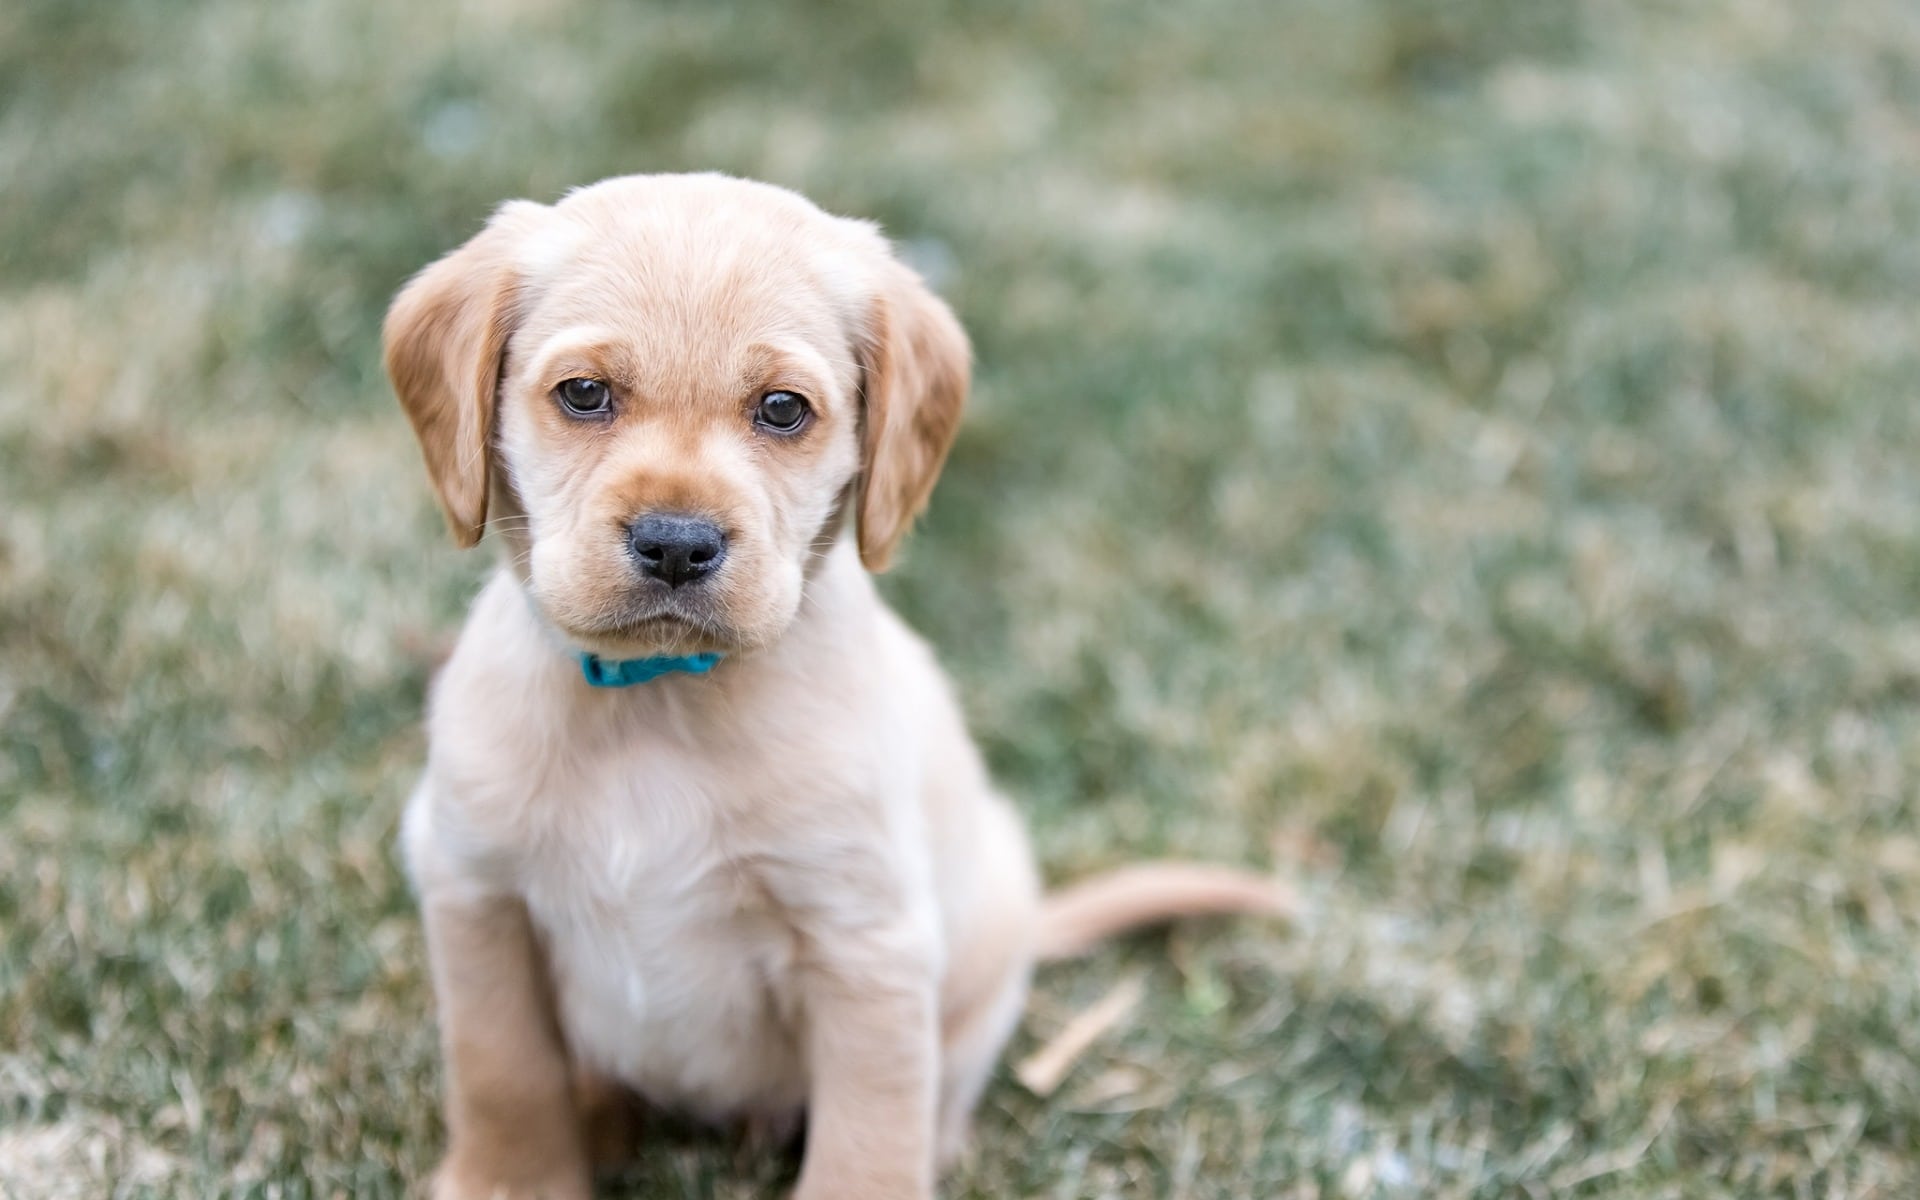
[700, 819]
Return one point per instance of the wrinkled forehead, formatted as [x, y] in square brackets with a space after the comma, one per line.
[689, 292]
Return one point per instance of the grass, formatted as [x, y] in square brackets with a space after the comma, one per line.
[1459, 452]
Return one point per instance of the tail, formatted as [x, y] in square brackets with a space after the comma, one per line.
[1075, 919]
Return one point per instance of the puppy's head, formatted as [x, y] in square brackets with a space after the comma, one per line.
[666, 392]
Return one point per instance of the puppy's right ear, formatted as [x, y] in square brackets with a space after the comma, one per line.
[445, 336]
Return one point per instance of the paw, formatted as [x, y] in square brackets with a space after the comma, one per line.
[467, 1177]
[878, 1191]
[953, 1148]
[861, 1181]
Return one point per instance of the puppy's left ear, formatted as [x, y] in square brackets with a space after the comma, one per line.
[445, 336]
[916, 365]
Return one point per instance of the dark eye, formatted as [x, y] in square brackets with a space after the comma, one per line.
[585, 397]
[782, 412]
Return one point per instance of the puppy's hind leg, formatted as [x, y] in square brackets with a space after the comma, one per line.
[613, 1118]
[987, 975]
[970, 1046]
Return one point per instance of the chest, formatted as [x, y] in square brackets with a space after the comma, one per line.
[672, 962]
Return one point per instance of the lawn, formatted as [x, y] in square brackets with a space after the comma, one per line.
[1461, 454]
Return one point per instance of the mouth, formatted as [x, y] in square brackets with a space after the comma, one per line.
[650, 628]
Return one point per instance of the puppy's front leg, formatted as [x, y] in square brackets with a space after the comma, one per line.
[873, 1049]
[510, 1114]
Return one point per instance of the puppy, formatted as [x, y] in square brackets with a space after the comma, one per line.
[700, 818]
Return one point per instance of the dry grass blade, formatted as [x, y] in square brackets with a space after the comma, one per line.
[1043, 1070]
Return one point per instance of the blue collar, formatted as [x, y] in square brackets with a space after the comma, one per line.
[626, 672]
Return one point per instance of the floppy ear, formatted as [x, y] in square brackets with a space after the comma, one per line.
[916, 363]
[445, 336]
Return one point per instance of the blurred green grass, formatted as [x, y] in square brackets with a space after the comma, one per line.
[1460, 451]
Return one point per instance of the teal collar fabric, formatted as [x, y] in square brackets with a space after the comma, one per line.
[625, 672]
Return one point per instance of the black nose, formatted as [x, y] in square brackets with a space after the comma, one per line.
[677, 549]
